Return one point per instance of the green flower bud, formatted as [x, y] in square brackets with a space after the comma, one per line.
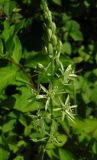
[49, 34]
[59, 45]
[45, 49]
[54, 40]
[50, 49]
[53, 27]
[49, 15]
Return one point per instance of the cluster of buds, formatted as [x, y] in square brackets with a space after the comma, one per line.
[52, 43]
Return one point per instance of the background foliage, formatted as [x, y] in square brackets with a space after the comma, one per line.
[23, 36]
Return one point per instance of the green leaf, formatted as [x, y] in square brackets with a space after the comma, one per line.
[76, 35]
[58, 2]
[94, 94]
[8, 7]
[8, 31]
[17, 52]
[9, 125]
[7, 76]
[65, 155]
[86, 127]
[24, 102]
[73, 29]
[94, 148]
[4, 153]
[33, 58]
[66, 48]
[72, 25]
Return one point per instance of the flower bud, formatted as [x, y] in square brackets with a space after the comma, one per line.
[49, 15]
[45, 49]
[53, 27]
[59, 45]
[49, 33]
[54, 40]
[50, 49]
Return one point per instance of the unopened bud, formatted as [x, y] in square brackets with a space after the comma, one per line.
[50, 49]
[59, 47]
[45, 49]
[49, 34]
[54, 40]
[53, 27]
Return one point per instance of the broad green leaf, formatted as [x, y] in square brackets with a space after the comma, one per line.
[8, 31]
[73, 29]
[8, 126]
[65, 155]
[4, 152]
[24, 102]
[33, 58]
[66, 48]
[72, 25]
[76, 35]
[17, 51]
[8, 7]
[87, 127]
[7, 76]
[22, 78]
